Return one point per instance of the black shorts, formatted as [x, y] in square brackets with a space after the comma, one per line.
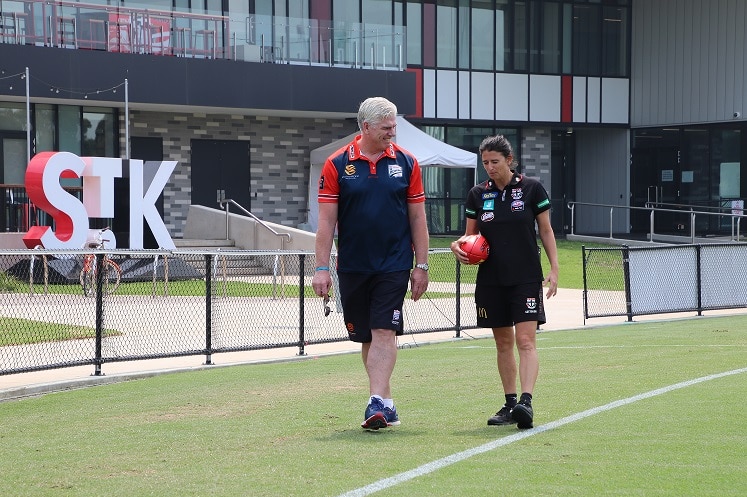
[500, 306]
[372, 301]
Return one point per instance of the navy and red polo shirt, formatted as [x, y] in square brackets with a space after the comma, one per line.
[506, 218]
[373, 225]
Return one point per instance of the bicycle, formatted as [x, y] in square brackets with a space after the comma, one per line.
[111, 272]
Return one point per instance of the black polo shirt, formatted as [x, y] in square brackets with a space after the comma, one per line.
[506, 218]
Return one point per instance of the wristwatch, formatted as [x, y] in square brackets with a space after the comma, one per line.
[423, 266]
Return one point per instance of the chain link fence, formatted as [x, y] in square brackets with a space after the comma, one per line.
[92, 307]
[635, 281]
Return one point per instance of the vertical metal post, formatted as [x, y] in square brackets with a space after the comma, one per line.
[458, 303]
[208, 309]
[28, 119]
[127, 119]
[98, 284]
[698, 280]
[626, 274]
[301, 305]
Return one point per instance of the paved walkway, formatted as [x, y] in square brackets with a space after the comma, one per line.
[564, 311]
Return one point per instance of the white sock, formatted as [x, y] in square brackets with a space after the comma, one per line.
[389, 403]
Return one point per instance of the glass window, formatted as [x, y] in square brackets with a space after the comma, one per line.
[414, 33]
[726, 168]
[586, 39]
[545, 38]
[567, 37]
[98, 133]
[44, 124]
[463, 43]
[615, 41]
[13, 117]
[377, 12]
[446, 34]
[503, 33]
[521, 36]
[482, 35]
[69, 126]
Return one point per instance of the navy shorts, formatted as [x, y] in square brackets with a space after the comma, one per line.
[372, 301]
[500, 306]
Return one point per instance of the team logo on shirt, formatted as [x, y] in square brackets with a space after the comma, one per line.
[516, 193]
[350, 169]
[487, 216]
[395, 171]
[517, 206]
[531, 306]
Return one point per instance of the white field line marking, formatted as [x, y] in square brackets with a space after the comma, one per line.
[461, 456]
[657, 346]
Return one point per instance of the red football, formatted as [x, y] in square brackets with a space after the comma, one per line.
[477, 248]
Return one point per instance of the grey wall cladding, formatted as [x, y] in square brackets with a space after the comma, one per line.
[279, 150]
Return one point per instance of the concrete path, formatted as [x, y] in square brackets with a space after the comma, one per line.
[564, 311]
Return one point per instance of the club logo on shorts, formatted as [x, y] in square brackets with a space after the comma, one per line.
[351, 329]
[396, 315]
[531, 306]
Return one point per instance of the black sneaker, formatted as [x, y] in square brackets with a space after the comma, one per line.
[523, 415]
[502, 417]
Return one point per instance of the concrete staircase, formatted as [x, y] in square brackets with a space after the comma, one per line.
[234, 265]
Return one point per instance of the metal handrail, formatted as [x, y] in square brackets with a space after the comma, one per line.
[226, 201]
[735, 218]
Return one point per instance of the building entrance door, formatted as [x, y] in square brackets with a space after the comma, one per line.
[220, 170]
[655, 181]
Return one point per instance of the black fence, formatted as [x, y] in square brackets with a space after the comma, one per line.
[636, 281]
[70, 308]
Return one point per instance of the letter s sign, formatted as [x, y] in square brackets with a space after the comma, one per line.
[43, 186]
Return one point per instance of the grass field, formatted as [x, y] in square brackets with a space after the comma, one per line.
[639, 409]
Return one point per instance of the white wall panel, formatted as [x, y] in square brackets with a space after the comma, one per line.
[544, 98]
[483, 94]
[511, 97]
[429, 93]
[464, 94]
[615, 100]
[579, 100]
[593, 102]
[446, 88]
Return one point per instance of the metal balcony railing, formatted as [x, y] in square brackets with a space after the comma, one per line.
[254, 38]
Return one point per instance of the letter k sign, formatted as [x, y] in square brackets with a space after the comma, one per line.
[144, 206]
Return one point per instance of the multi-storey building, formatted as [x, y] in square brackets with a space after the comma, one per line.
[613, 102]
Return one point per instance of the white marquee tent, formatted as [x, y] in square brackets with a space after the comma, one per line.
[427, 150]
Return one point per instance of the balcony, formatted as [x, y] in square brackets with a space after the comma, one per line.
[278, 40]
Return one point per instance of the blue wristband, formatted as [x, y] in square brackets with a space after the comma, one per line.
[322, 268]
